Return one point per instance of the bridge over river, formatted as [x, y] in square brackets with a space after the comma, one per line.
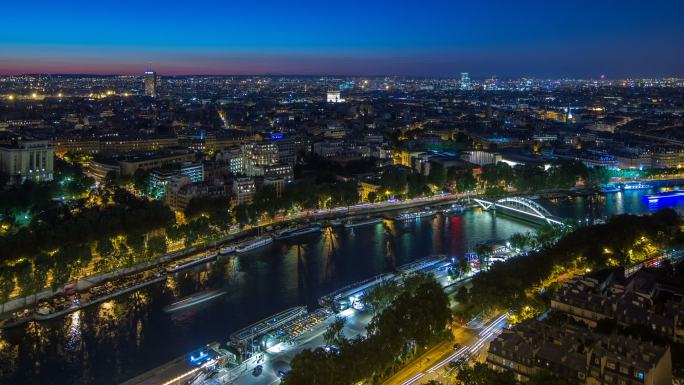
[522, 207]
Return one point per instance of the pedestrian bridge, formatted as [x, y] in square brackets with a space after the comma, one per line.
[522, 206]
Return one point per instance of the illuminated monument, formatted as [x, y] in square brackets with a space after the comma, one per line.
[334, 97]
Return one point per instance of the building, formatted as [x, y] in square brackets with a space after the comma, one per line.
[27, 160]
[579, 355]
[328, 148]
[334, 97]
[87, 146]
[179, 195]
[130, 164]
[642, 299]
[195, 171]
[279, 170]
[173, 196]
[244, 190]
[233, 157]
[669, 158]
[146, 143]
[278, 184]
[99, 168]
[150, 83]
[466, 84]
[258, 154]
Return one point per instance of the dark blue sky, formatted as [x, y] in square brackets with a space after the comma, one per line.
[576, 38]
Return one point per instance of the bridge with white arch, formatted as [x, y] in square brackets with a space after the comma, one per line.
[522, 206]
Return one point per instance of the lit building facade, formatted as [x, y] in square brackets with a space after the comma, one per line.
[244, 190]
[27, 160]
[151, 83]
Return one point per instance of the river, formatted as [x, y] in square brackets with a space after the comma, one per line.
[116, 340]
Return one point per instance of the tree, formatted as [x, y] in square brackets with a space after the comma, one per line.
[156, 246]
[393, 180]
[6, 286]
[598, 176]
[136, 242]
[438, 175]
[334, 335]
[463, 267]
[497, 174]
[372, 196]
[465, 181]
[381, 296]
[110, 178]
[544, 377]
[141, 180]
[520, 241]
[416, 185]
[480, 374]
[483, 252]
[105, 247]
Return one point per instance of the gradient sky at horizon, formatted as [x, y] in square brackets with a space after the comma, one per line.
[577, 38]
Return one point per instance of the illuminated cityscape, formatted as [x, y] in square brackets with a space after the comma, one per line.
[288, 193]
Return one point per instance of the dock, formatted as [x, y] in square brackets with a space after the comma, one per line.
[266, 325]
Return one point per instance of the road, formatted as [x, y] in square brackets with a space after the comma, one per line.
[434, 365]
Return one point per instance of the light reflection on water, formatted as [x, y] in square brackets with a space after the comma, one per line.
[73, 333]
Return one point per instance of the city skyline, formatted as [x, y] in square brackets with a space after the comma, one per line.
[582, 39]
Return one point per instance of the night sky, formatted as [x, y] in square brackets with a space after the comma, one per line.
[575, 38]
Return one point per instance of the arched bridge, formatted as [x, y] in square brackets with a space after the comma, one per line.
[523, 206]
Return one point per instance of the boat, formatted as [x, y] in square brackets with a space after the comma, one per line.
[340, 299]
[610, 189]
[293, 232]
[362, 222]
[454, 209]
[193, 300]
[266, 325]
[665, 195]
[228, 249]
[178, 266]
[415, 215]
[254, 243]
[636, 186]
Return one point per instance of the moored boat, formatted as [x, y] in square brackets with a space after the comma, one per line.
[636, 186]
[454, 209]
[254, 243]
[362, 222]
[227, 249]
[415, 215]
[189, 263]
[293, 232]
[193, 300]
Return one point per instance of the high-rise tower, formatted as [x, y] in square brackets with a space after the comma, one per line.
[465, 81]
[151, 83]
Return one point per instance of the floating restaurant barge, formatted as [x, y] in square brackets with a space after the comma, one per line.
[349, 295]
[257, 329]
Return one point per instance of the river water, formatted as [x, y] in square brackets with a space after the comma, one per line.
[116, 340]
